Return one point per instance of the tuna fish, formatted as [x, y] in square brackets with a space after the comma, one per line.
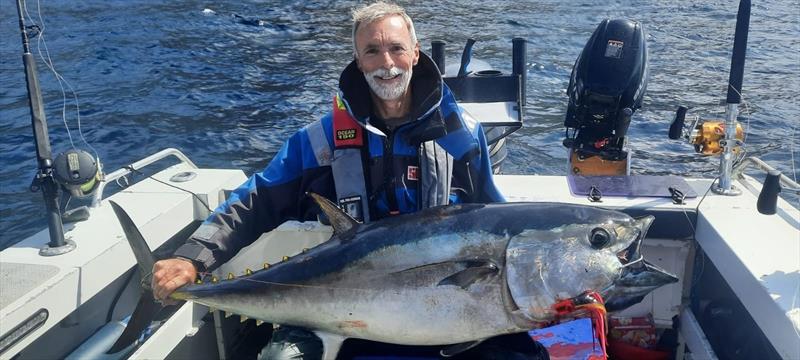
[457, 274]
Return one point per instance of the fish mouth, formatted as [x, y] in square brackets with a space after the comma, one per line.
[641, 277]
[638, 276]
[632, 253]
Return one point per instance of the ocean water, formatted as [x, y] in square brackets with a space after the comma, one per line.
[226, 82]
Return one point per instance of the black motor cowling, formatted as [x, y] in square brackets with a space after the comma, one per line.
[607, 85]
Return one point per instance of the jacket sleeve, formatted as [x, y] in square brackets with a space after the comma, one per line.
[264, 201]
[481, 165]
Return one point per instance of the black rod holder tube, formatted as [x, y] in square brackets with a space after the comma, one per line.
[768, 197]
[44, 180]
[519, 67]
[739, 52]
[437, 54]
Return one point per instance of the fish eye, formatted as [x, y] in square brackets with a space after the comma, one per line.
[599, 238]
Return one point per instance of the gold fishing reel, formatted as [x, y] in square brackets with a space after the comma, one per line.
[707, 136]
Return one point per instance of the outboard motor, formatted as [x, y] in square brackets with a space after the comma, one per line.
[607, 85]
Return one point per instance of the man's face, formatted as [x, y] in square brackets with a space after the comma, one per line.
[386, 56]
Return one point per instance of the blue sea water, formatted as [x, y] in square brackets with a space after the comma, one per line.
[195, 76]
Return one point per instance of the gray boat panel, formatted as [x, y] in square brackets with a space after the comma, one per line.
[18, 279]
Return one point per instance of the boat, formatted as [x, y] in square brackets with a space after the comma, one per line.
[68, 291]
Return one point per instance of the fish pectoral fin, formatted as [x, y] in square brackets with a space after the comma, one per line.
[456, 349]
[344, 226]
[331, 343]
[474, 271]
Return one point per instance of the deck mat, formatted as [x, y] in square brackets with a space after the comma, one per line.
[17, 279]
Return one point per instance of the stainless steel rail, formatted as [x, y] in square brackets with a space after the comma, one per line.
[98, 195]
[787, 183]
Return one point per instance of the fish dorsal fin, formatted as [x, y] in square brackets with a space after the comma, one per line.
[344, 226]
[456, 349]
[474, 271]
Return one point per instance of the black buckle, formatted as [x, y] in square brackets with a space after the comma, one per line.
[595, 195]
[677, 196]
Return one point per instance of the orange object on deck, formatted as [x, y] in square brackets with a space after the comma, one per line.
[593, 165]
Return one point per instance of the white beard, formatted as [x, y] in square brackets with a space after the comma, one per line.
[388, 91]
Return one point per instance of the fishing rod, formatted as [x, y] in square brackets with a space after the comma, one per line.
[734, 98]
[722, 137]
[74, 170]
[44, 179]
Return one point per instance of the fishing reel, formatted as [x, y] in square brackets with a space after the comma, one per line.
[77, 172]
[707, 136]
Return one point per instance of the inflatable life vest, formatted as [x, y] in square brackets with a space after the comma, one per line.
[347, 164]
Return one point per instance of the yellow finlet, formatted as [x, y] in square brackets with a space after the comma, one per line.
[230, 276]
[178, 295]
[266, 265]
[259, 322]
[248, 272]
[242, 319]
[214, 279]
[285, 258]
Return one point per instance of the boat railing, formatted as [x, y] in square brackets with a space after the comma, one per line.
[787, 183]
[125, 170]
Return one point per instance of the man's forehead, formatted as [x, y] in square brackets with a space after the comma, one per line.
[392, 28]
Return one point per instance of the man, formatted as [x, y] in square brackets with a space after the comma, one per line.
[394, 143]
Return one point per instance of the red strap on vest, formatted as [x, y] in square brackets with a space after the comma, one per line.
[346, 130]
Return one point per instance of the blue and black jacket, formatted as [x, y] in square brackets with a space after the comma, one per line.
[438, 158]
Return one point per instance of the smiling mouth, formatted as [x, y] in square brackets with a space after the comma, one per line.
[387, 78]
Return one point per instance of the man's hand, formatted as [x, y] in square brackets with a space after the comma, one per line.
[169, 275]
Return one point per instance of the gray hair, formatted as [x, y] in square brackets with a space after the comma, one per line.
[376, 11]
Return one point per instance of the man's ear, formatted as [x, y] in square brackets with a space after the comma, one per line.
[416, 53]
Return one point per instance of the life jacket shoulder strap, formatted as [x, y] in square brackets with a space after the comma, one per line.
[347, 132]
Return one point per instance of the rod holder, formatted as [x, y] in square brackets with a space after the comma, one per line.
[519, 61]
[437, 54]
[768, 198]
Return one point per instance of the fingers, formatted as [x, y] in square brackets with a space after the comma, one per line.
[171, 274]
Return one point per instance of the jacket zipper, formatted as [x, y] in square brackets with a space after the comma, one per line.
[388, 174]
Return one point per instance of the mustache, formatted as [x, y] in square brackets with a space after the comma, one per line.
[385, 73]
